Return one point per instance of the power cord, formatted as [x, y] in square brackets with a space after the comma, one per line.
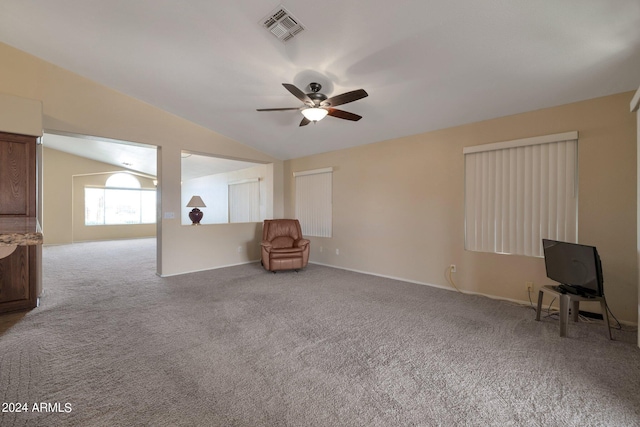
[619, 327]
[450, 278]
[549, 313]
[523, 303]
[531, 302]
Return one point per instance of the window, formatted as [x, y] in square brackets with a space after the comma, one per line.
[244, 201]
[313, 201]
[121, 201]
[519, 192]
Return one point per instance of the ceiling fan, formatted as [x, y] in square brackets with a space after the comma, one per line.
[317, 105]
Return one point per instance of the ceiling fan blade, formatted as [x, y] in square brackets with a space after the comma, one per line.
[298, 94]
[277, 109]
[305, 121]
[345, 98]
[334, 112]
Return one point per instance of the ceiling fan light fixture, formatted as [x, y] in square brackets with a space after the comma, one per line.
[314, 114]
[317, 105]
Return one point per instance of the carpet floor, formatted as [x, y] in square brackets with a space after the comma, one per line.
[112, 344]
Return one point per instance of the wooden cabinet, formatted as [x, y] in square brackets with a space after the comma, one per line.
[18, 271]
[17, 280]
[17, 175]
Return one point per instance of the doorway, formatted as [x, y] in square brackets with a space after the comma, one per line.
[70, 164]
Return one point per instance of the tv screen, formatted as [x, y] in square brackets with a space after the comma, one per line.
[576, 266]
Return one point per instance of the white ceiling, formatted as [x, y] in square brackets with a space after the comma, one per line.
[426, 64]
[138, 157]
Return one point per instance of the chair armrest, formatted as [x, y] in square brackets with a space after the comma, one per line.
[266, 245]
[301, 243]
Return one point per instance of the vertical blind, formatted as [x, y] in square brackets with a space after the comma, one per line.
[519, 192]
[244, 201]
[313, 201]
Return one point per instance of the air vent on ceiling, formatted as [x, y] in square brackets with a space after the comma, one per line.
[282, 24]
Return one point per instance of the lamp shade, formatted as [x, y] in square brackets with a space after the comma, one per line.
[314, 114]
[196, 202]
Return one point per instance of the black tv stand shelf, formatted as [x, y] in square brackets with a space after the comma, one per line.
[566, 289]
[569, 290]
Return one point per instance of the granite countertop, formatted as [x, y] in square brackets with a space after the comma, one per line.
[20, 231]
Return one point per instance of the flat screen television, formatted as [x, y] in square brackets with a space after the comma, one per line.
[576, 267]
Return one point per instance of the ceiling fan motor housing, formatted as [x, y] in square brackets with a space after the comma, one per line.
[315, 94]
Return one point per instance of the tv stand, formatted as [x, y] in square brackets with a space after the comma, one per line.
[569, 290]
[572, 299]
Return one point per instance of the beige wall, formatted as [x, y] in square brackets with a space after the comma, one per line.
[73, 104]
[20, 115]
[398, 205]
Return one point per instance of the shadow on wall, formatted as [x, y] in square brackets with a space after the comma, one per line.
[258, 238]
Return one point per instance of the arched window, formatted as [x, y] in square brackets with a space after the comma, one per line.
[121, 201]
[122, 180]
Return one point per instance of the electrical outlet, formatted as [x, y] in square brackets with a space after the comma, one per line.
[529, 286]
[337, 251]
[452, 267]
[239, 249]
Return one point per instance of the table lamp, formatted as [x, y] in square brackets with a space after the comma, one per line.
[196, 214]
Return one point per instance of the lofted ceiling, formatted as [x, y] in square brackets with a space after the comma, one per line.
[136, 157]
[140, 158]
[426, 65]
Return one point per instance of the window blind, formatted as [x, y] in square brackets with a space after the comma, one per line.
[244, 201]
[519, 192]
[314, 201]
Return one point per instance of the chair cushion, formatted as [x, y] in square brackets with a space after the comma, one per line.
[282, 242]
[286, 253]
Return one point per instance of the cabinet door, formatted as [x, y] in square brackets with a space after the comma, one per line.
[14, 277]
[17, 175]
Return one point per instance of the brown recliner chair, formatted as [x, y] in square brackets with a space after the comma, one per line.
[283, 247]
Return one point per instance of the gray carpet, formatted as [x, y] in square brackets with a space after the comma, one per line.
[324, 347]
